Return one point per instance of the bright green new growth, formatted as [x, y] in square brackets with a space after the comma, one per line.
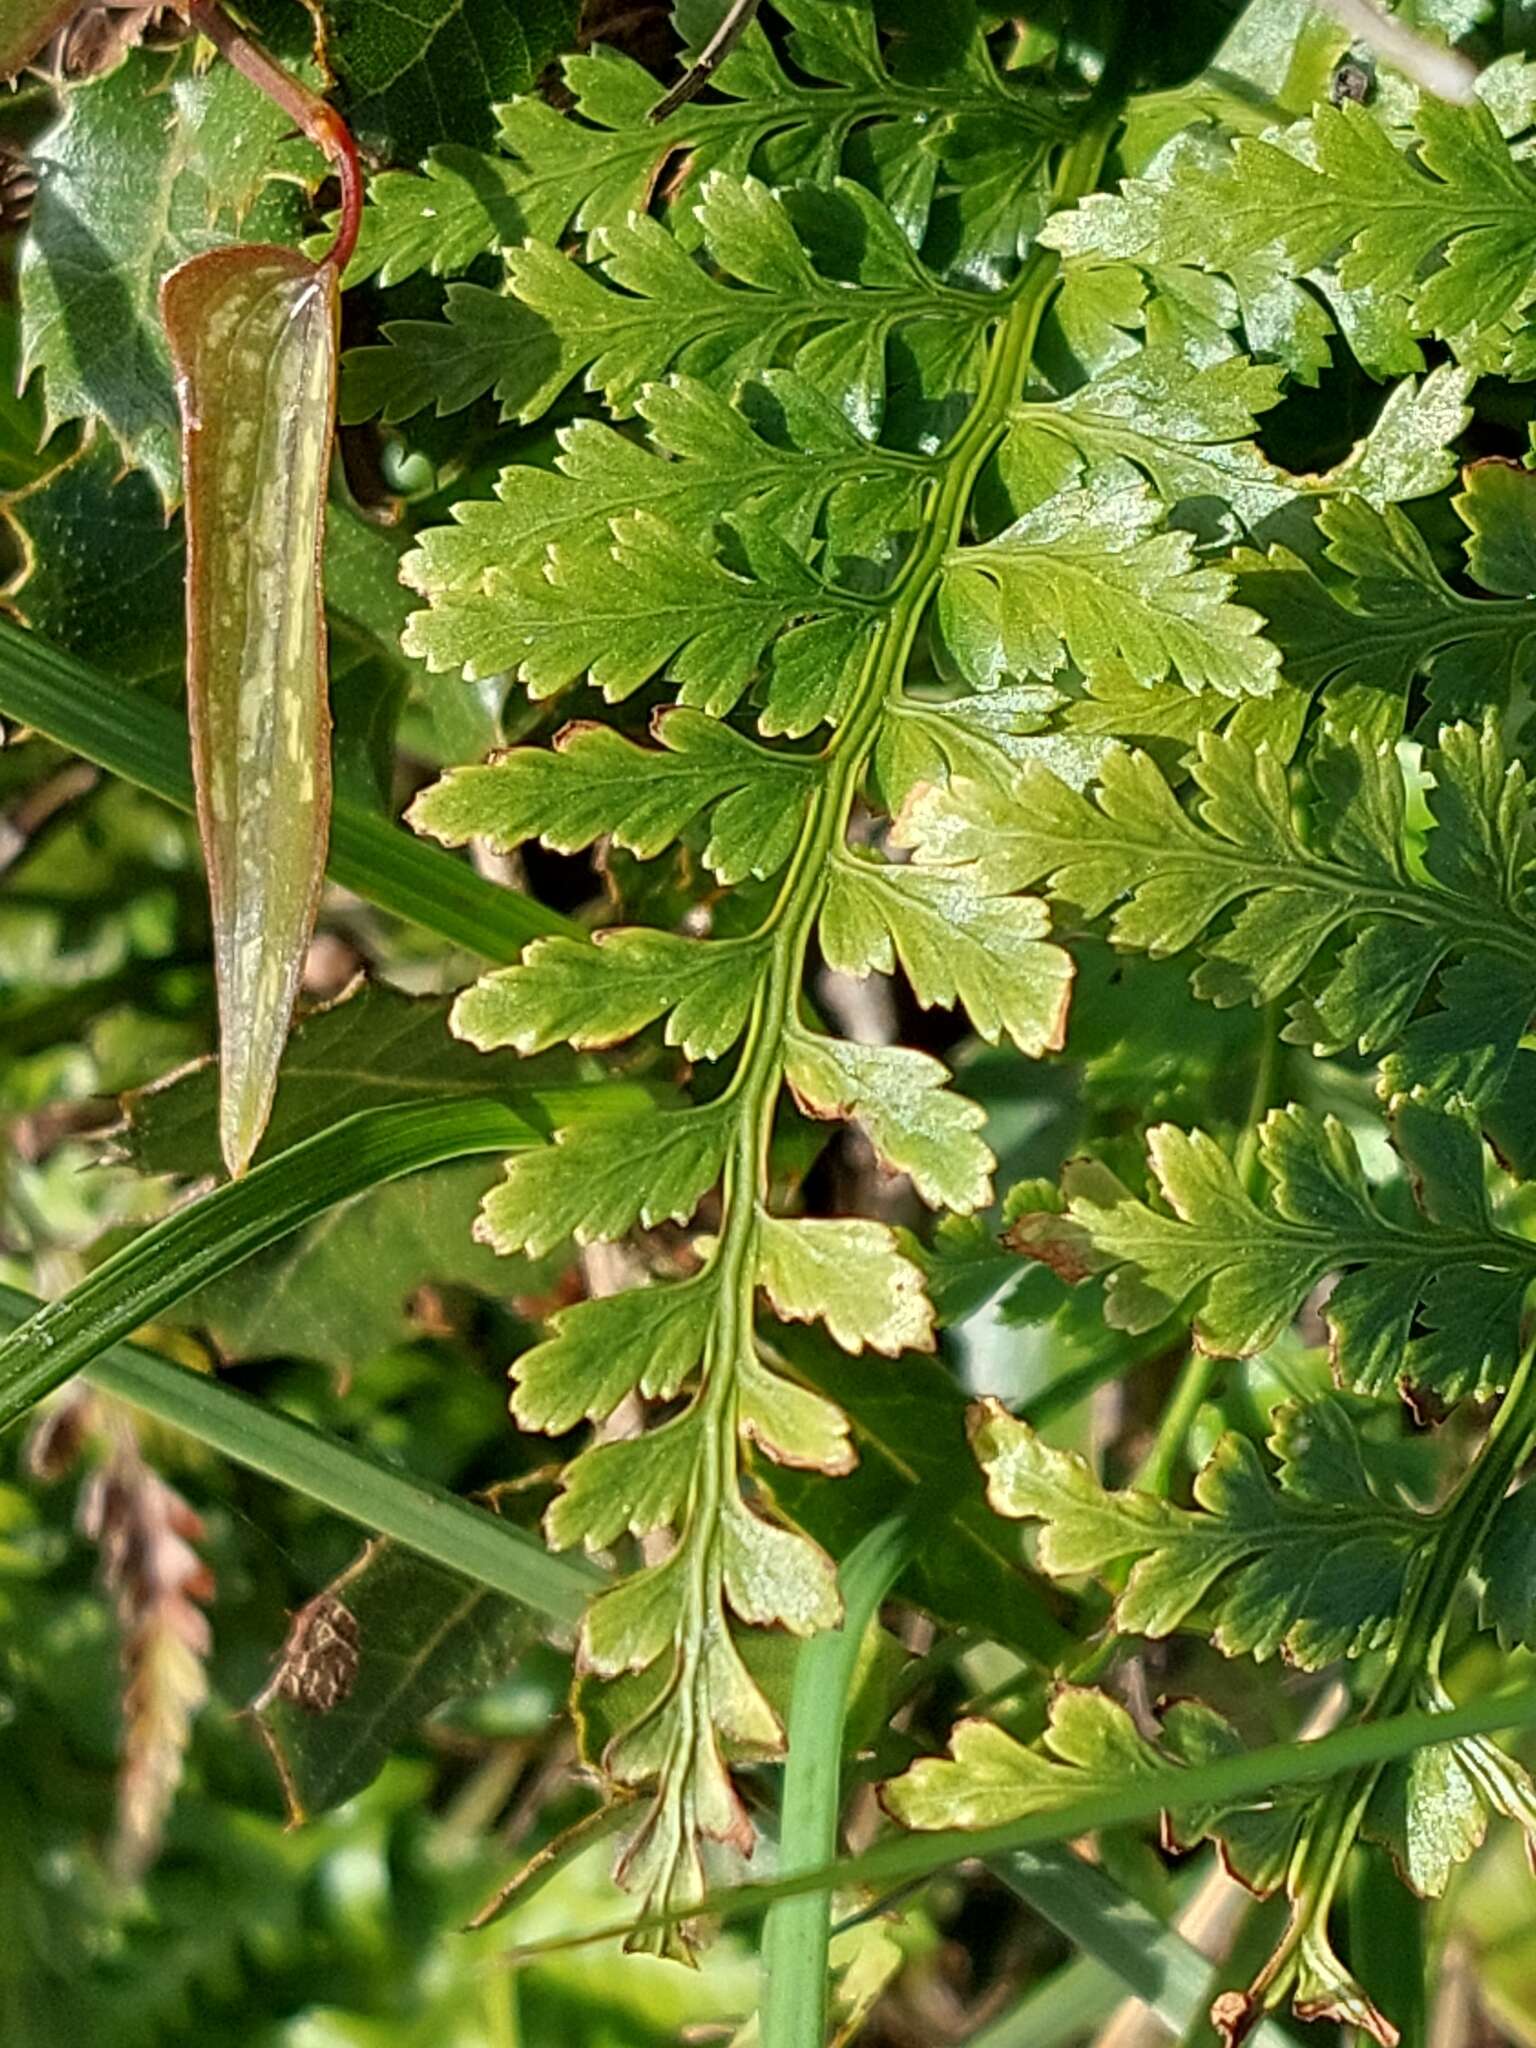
[1407, 233]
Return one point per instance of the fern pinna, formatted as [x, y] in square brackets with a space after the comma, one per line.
[910, 530]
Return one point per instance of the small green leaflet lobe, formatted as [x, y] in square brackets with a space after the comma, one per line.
[1315, 1566]
[253, 335]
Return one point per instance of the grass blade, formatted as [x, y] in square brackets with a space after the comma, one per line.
[130, 735]
[436, 1524]
[796, 1932]
[206, 1238]
[1167, 1973]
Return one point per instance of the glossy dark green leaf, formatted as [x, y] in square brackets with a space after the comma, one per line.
[430, 71]
[156, 162]
[103, 566]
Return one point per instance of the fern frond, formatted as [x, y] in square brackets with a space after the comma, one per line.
[1406, 233]
[968, 160]
[814, 405]
[1431, 1302]
[1337, 902]
[1314, 1563]
[873, 555]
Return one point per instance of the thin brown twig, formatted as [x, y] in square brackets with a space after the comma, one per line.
[316, 117]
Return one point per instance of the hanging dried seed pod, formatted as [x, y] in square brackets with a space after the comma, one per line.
[254, 336]
[62, 40]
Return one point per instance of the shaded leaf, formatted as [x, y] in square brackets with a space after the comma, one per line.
[1433, 1302]
[95, 253]
[1312, 1563]
[416, 1636]
[433, 70]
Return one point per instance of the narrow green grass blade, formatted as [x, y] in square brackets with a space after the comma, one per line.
[1174, 1789]
[1153, 1962]
[1062, 2011]
[452, 1532]
[146, 743]
[207, 1238]
[797, 1932]
[1388, 1949]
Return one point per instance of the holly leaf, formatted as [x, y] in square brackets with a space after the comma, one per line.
[97, 546]
[908, 1430]
[149, 165]
[345, 1289]
[433, 71]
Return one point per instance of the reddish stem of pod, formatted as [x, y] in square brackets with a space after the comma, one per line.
[315, 117]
